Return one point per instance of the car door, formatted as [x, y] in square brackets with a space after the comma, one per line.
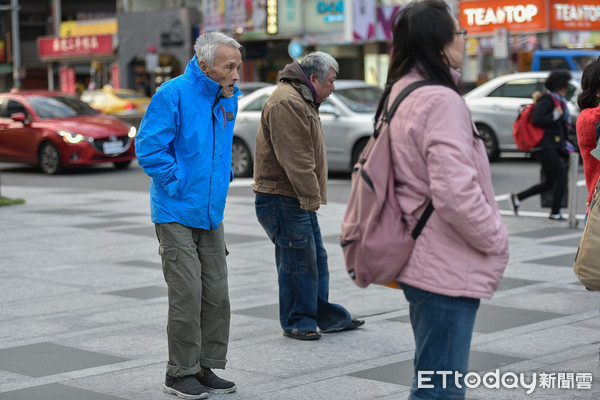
[337, 128]
[18, 140]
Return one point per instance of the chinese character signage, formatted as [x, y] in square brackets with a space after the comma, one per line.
[59, 48]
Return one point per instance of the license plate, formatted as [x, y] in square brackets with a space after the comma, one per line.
[113, 147]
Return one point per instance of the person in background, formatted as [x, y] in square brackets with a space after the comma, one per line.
[587, 122]
[184, 145]
[290, 182]
[437, 155]
[551, 113]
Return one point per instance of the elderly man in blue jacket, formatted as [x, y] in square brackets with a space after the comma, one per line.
[184, 145]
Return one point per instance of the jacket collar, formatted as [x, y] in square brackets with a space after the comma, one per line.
[193, 72]
[293, 74]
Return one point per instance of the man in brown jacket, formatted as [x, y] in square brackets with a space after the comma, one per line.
[290, 181]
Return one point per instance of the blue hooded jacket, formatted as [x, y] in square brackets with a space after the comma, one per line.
[184, 145]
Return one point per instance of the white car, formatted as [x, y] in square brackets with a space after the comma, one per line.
[346, 116]
[495, 104]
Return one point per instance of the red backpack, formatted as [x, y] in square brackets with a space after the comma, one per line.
[375, 239]
[525, 134]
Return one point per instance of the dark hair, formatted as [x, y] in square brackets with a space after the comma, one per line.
[558, 80]
[422, 29]
[590, 84]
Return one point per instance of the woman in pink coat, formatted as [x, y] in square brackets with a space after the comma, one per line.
[438, 155]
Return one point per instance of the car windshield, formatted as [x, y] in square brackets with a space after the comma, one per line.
[360, 99]
[59, 106]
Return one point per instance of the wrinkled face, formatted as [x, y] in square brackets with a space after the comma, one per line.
[225, 69]
[325, 88]
[456, 49]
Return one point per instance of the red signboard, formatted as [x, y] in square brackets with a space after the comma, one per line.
[569, 15]
[67, 79]
[484, 17]
[65, 48]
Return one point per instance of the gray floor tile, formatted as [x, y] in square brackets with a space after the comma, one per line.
[139, 230]
[543, 233]
[270, 311]
[119, 215]
[512, 283]
[402, 373]
[335, 239]
[64, 211]
[571, 242]
[103, 225]
[142, 293]
[235, 238]
[495, 318]
[142, 264]
[564, 260]
[44, 359]
[55, 391]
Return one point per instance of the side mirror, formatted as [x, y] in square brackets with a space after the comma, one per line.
[19, 117]
[328, 109]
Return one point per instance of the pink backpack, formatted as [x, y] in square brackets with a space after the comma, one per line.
[375, 239]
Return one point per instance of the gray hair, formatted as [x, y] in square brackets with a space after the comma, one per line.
[318, 63]
[206, 46]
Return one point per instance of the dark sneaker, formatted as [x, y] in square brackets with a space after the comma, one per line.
[214, 384]
[515, 203]
[186, 387]
[557, 217]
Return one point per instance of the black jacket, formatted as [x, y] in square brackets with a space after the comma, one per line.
[543, 116]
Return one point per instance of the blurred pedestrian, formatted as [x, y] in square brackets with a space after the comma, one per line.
[587, 138]
[551, 113]
[290, 181]
[184, 145]
[438, 156]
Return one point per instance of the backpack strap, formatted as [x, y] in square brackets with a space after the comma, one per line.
[386, 117]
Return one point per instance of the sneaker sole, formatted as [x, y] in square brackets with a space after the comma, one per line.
[228, 390]
[181, 395]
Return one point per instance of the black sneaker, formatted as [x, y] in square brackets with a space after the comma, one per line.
[186, 387]
[557, 217]
[514, 201]
[215, 384]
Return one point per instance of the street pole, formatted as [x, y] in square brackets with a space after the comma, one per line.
[16, 43]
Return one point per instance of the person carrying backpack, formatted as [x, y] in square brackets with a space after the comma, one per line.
[437, 155]
[553, 148]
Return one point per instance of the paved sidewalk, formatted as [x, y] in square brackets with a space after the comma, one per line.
[84, 307]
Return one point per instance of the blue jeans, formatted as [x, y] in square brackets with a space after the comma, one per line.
[301, 266]
[443, 327]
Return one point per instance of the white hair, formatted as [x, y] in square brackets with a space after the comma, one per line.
[207, 44]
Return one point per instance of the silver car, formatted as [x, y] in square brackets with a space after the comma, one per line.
[495, 105]
[346, 117]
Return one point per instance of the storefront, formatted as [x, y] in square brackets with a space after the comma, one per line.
[503, 33]
[79, 62]
[155, 46]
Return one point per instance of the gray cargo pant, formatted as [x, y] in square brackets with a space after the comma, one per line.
[195, 270]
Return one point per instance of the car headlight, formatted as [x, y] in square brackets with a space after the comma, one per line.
[132, 132]
[71, 137]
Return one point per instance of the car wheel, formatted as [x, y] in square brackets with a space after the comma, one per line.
[490, 141]
[49, 159]
[241, 159]
[357, 151]
[122, 164]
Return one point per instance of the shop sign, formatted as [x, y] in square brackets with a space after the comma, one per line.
[67, 80]
[363, 15]
[58, 48]
[385, 22]
[214, 15]
[574, 15]
[324, 16]
[484, 17]
[289, 17]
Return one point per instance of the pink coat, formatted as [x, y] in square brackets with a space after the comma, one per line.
[463, 249]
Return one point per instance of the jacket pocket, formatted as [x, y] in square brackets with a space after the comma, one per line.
[294, 254]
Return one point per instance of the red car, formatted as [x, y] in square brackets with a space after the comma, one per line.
[56, 130]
